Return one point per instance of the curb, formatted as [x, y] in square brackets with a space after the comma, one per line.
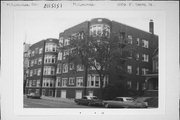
[66, 100]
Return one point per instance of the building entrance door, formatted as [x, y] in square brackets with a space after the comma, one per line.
[78, 94]
[51, 93]
[63, 94]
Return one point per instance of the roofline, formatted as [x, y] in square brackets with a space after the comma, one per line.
[135, 28]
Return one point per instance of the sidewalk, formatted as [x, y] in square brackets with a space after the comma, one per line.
[66, 100]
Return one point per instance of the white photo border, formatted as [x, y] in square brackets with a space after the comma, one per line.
[16, 87]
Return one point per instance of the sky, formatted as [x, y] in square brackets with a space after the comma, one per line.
[39, 25]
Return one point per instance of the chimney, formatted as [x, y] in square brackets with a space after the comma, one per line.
[151, 26]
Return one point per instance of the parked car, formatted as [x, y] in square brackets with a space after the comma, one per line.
[89, 100]
[124, 102]
[33, 95]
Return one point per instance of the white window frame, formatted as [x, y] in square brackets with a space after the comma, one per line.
[65, 68]
[40, 50]
[40, 61]
[31, 73]
[58, 81]
[144, 71]
[38, 83]
[39, 72]
[80, 68]
[64, 82]
[49, 70]
[71, 81]
[137, 41]
[129, 69]
[59, 68]
[145, 43]
[79, 81]
[145, 58]
[60, 56]
[66, 41]
[130, 39]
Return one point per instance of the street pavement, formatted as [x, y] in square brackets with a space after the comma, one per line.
[52, 103]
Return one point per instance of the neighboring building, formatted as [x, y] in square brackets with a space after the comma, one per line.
[140, 44]
[41, 73]
[151, 81]
[25, 64]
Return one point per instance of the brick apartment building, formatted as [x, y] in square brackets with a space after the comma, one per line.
[140, 45]
[64, 81]
[41, 72]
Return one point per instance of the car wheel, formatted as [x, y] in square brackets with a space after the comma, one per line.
[106, 105]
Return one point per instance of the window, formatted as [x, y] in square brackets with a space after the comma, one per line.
[61, 42]
[50, 59]
[137, 56]
[129, 39]
[64, 82]
[39, 72]
[93, 81]
[65, 68]
[27, 83]
[137, 41]
[49, 70]
[129, 84]
[66, 52]
[99, 30]
[58, 81]
[32, 63]
[35, 61]
[27, 73]
[79, 81]
[48, 82]
[35, 71]
[33, 82]
[71, 66]
[144, 71]
[30, 83]
[32, 53]
[66, 42]
[31, 72]
[39, 61]
[40, 51]
[59, 68]
[38, 83]
[51, 83]
[145, 43]
[129, 69]
[50, 47]
[60, 56]
[80, 67]
[97, 81]
[145, 58]
[71, 81]
[122, 35]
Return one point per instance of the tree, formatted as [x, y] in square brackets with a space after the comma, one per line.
[101, 52]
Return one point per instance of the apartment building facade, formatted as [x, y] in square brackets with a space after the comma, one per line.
[70, 82]
[41, 72]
